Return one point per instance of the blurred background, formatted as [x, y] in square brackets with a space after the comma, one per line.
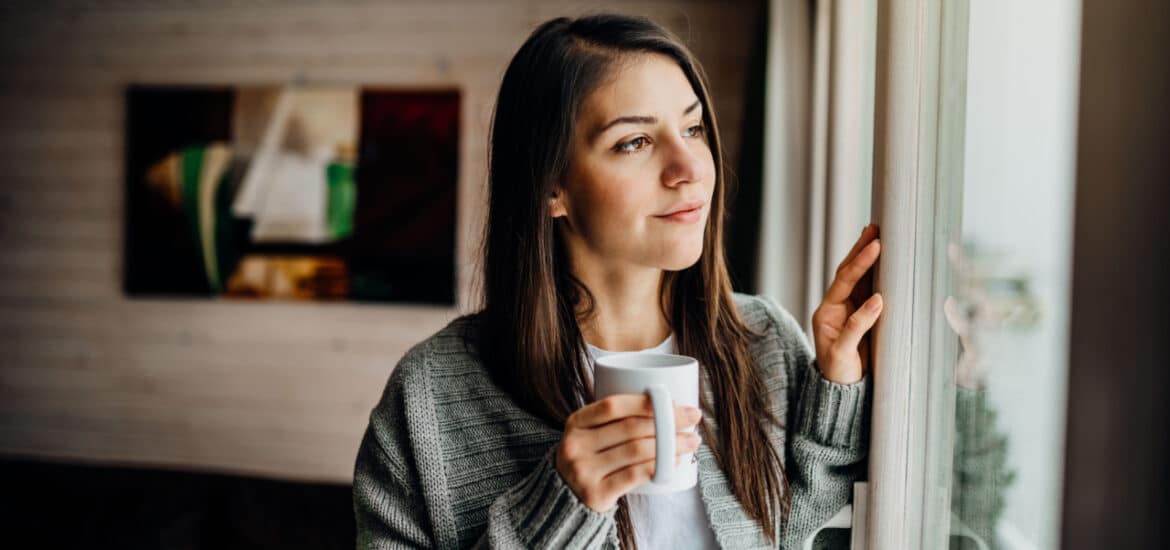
[225, 221]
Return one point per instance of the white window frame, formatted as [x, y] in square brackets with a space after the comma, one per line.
[873, 130]
[918, 163]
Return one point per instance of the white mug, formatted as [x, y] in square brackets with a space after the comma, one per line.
[667, 378]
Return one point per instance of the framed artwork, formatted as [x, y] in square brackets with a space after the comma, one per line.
[314, 192]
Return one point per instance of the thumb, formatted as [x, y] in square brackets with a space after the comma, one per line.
[860, 322]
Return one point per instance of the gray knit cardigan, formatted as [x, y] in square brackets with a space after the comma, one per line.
[450, 461]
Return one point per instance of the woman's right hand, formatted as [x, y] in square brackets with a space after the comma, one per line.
[608, 447]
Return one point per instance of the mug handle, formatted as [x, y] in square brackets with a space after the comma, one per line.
[663, 433]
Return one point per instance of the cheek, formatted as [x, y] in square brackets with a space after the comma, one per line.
[612, 205]
[613, 208]
[708, 169]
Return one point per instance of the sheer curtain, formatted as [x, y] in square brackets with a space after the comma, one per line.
[818, 146]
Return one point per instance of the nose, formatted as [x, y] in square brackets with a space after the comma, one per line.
[683, 163]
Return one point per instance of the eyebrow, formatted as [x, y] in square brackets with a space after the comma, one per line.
[635, 119]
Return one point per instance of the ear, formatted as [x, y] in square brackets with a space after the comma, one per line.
[556, 203]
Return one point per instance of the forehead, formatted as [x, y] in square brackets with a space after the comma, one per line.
[646, 84]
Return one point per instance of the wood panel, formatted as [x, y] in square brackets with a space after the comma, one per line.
[279, 390]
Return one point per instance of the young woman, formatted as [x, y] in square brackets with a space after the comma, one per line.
[605, 233]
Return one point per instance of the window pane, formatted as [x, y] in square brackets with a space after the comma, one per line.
[1008, 269]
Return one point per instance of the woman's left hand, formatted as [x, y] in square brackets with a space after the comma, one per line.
[841, 323]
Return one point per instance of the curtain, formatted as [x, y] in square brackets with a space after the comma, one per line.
[817, 146]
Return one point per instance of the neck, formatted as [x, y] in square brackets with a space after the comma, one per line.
[627, 312]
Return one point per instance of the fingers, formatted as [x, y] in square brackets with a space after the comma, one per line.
[599, 479]
[954, 316]
[634, 427]
[868, 233]
[616, 422]
[641, 449]
[859, 323]
[623, 481]
[632, 463]
[617, 407]
[604, 411]
[849, 274]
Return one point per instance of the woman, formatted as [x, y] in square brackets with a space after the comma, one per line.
[604, 233]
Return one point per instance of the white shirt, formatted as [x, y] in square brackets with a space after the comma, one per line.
[673, 520]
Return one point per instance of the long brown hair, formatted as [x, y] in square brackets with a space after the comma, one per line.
[529, 335]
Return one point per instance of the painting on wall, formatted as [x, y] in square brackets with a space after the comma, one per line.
[315, 192]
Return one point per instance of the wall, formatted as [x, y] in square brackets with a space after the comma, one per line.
[1115, 471]
[279, 390]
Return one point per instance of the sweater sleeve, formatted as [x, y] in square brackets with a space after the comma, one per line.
[386, 503]
[389, 508]
[392, 508]
[827, 428]
[826, 448]
[543, 512]
[981, 471]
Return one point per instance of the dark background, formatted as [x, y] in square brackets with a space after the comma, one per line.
[51, 505]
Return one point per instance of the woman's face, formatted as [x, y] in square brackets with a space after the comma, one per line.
[639, 155]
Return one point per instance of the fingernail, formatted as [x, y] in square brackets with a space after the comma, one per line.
[874, 302]
[693, 413]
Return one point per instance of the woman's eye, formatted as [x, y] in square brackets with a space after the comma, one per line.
[634, 145]
[640, 142]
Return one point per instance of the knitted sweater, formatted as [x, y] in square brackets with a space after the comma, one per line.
[449, 460]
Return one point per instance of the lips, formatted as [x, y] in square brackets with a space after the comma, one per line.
[682, 207]
[687, 213]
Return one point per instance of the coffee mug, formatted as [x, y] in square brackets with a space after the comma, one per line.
[667, 379]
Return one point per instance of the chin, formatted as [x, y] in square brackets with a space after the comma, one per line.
[683, 258]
